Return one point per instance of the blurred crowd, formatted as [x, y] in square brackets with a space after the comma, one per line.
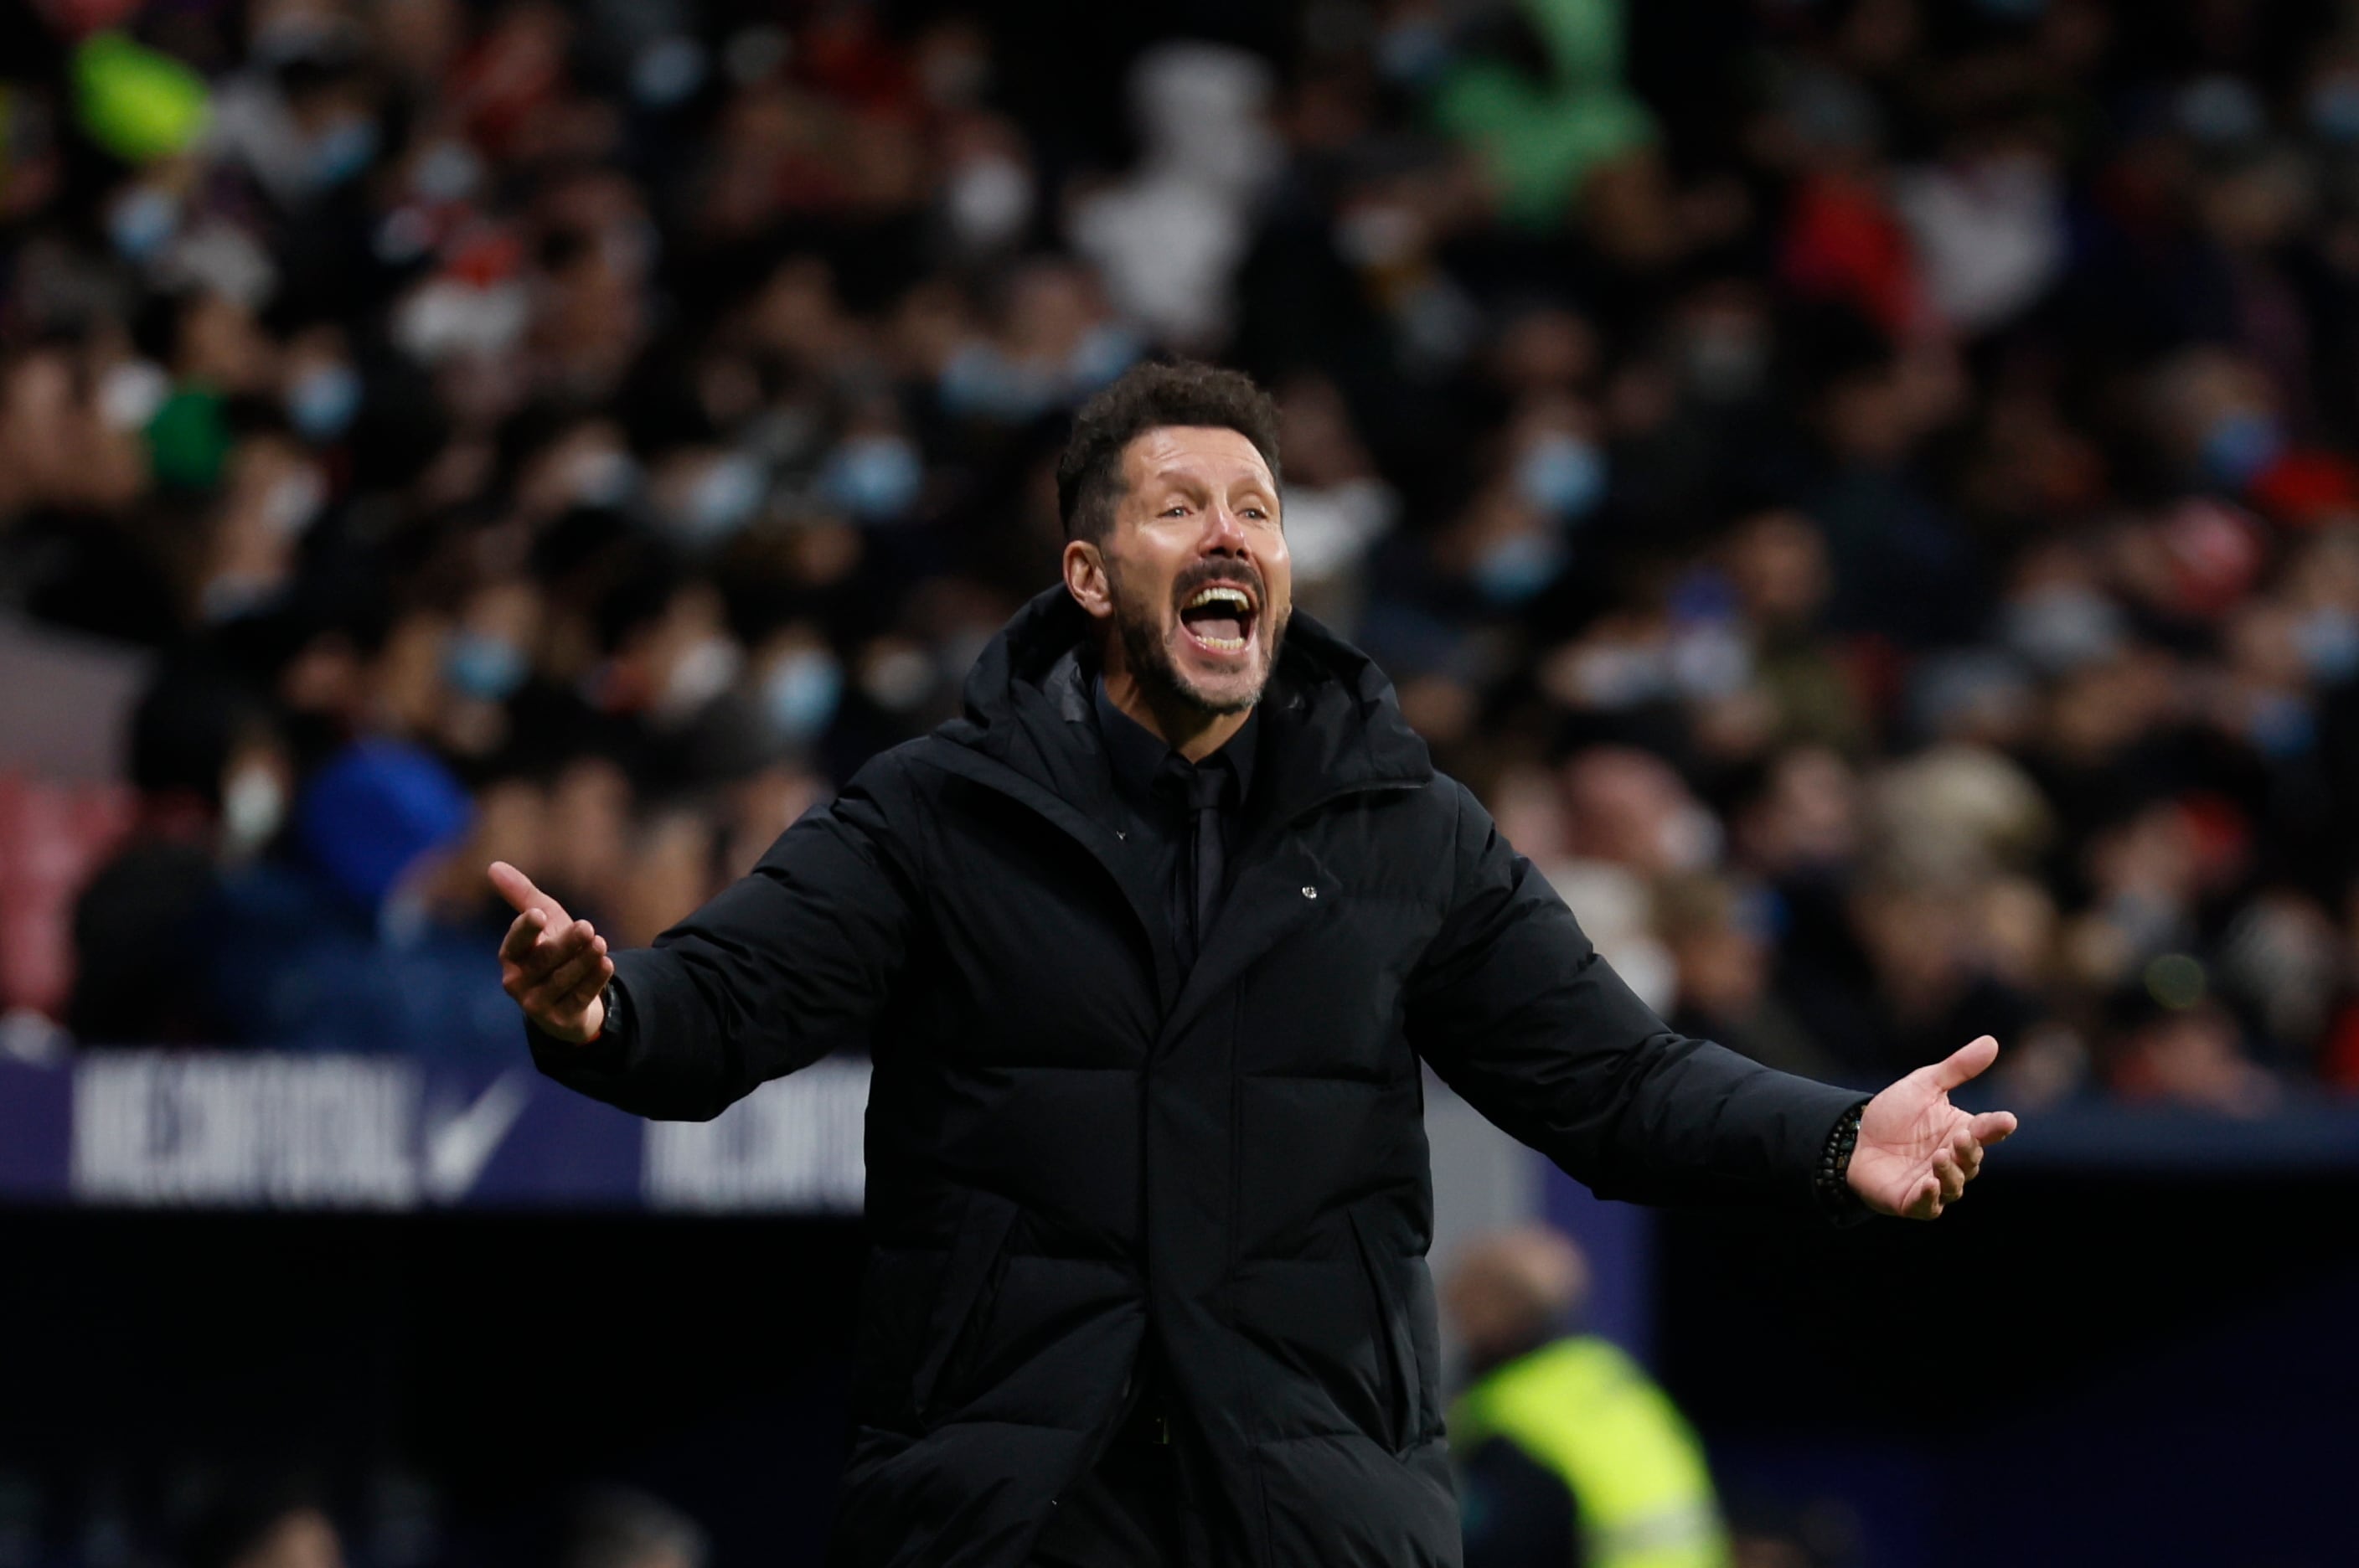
[1864, 488]
[272, 1518]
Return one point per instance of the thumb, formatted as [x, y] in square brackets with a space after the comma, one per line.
[1965, 1064]
[517, 889]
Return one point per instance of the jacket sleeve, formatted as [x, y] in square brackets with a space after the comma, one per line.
[795, 959]
[1516, 1012]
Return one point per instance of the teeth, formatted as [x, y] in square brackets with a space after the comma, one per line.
[1225, 644]
[1218, 595]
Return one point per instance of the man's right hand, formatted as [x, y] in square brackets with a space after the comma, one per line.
[554, 966]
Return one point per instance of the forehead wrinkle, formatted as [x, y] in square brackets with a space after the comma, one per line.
[1203, 456]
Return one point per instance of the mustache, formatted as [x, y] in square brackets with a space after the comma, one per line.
[1205, 573]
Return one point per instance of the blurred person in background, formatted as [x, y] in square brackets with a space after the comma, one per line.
[620, 1527]
[357, 918]
[212, 780]
[1566, 1451]
[1122, 1315]
[263, 1526]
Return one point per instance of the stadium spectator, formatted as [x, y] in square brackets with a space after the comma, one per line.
[1567, 1450]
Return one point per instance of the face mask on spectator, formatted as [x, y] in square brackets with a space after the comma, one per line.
[724, 498]
[874, 477]
[1414, 50]
[130, 391]
[324, 402]
[1512, 570]
[254, 806]
[800, 694]
[295, 502]
[2328, 640]
[701, 674]
[2062, 626]
[980, 382]
[2332, 109]
[668, 72]
[2222, 111]
[2240, 446]
[1562, 474]
[483, 666]
[1709, 658]
[990, 201]
[2281, 726]
[604, 477]
[141, 222]
[447, 172]
[340, 151]
[1105, 352]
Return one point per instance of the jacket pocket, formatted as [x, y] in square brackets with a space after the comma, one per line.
[1395, 1341]
[962, 1302]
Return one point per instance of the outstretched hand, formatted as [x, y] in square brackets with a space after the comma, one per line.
[554, 966]
[1916, 1151]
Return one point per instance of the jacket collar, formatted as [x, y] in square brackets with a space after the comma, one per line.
[1331, 723]
[1139, 757]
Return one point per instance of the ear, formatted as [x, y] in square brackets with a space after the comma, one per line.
[1085, 578]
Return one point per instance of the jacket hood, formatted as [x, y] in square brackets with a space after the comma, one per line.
[1330, 718]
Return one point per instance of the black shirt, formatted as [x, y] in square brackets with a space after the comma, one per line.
[1153, 785]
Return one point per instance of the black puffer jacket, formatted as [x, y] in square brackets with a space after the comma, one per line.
[1071, 1147]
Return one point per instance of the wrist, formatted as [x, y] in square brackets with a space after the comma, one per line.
[610, 1015]
[1830, 1183]
[595, 1022]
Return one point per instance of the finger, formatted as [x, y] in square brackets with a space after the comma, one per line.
[542, 973]
[563, 1012]
[567, 977]
[1965, 1063]
[555, 949]
[566, 942]
[1926, 1202]
[1951, 1179]
[591, 985]
[519, 890]
[1970, 1161]
[524, 931]
[1993, 1127]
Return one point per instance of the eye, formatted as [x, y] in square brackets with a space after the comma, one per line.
[1175, 510]
[1257, 512]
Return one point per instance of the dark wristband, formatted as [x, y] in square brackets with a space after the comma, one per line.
[1830, 1179]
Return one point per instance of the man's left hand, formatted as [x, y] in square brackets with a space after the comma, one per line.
[1916, 1151]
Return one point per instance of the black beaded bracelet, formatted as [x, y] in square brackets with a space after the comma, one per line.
[1830, 1181]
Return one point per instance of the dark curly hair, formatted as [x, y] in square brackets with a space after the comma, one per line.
[1151, 397]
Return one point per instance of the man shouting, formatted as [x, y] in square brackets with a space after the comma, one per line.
[1147, 948]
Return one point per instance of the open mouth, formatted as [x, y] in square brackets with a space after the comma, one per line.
[1219, 618]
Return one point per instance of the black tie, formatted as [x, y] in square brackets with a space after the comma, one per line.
[1208, 789]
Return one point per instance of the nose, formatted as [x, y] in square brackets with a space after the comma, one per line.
[1225, 534]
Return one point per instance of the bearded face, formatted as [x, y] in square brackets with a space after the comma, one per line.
[1197, 581]
[1209, 643]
